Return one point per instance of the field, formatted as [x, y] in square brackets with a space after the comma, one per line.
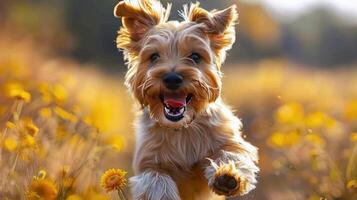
[62, 125]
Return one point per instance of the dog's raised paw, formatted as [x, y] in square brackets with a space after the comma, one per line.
[228, 181]
[226, 185]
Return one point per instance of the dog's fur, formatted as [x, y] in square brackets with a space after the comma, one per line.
[198, 156]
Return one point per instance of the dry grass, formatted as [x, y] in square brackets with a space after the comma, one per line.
[63, 125]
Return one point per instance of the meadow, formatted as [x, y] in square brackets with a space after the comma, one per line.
[63, 124]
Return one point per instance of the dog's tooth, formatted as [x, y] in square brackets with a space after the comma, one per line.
[167, 110]
[182, 110]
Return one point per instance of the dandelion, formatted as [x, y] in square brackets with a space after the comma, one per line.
[114, 179]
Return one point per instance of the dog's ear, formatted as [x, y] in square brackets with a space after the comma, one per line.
[138, 17]
[219, 26]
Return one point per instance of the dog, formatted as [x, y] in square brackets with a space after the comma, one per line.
[188, 142]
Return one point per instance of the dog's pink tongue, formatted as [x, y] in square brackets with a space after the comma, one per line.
[175, 100]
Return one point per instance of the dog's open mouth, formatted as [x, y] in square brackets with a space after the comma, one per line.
[175, 105]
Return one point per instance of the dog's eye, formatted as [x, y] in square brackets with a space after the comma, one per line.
[154, 57]
[195, 57]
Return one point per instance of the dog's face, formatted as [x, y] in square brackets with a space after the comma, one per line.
[174, 67]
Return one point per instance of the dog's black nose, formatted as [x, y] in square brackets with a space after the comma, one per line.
[172, 80]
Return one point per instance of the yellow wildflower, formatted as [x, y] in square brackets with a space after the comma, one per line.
[60, 93]
[45, 89]
[351, 110]
[31, 128]
[315, 139]
[10, 125]
[15, 90]
[113, 179]
[315, 197]
[317, 119]
[10, 144]
[30, 195]
[28, 141]
[354, 137]
[43, 188]
[279, 139]
[290, 113]
[45, 112]
[74, 197]
[352, 184]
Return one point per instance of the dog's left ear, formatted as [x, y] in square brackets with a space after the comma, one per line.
[138, 17]
[219, 26]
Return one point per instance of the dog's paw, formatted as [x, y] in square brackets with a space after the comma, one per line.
[226, 185]
[228, 182]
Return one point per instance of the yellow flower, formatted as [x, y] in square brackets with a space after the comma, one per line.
[31, 129]
[354, 137]
[279, 139]
[45, 112]
[10, 144]
[43, 188]
[290, 113]
[315, 139]
[113, 179]
[74, 197]
[28, 141]
[60, 93]
[30, 195]
[315, 197]
[15, 90]
[351, 110]
[10, 125]
[352, 184]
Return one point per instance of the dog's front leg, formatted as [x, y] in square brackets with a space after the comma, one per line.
[152, 185]
[232, 171]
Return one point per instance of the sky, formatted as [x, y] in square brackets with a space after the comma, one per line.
[289, 10]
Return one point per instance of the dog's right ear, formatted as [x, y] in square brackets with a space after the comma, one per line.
[138, 17]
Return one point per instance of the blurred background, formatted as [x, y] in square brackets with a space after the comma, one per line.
[291, 76]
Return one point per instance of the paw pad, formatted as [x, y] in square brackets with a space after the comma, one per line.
[226, 184]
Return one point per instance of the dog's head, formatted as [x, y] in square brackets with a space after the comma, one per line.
[174, 67]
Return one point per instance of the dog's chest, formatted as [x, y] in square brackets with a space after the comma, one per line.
[183, 148]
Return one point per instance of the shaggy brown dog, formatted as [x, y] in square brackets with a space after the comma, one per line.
[189, 144]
